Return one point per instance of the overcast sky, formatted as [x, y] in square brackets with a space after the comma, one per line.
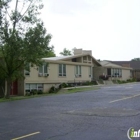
[110, 28]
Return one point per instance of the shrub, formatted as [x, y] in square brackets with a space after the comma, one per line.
[52, 89]
[39, 92]
[134, 80]
[69, 85]
[33, 92]
[131, 80]
[86, 83]
[60, 86]
[64, 85]
[27, 93]
[90, 83]
[121, 81]
[94, 83]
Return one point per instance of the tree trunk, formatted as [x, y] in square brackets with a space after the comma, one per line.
[2, 88]
[2, 92]
[9, 84]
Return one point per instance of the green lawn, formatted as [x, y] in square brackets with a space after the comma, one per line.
[73, 90]
[81, 89]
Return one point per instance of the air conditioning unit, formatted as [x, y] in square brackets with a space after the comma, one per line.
[40, 74]
[46, 74]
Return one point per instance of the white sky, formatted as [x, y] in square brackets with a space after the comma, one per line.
[110, 28]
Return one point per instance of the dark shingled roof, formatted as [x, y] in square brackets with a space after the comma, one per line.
[133, 64]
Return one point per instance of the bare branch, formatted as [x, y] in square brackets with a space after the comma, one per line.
[26, 11]
[22, 7]
[14, 24]
[7, 13]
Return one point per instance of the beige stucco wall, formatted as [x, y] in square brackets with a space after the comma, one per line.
[53, 75]
[54, 79]
[21, 87]
[125, 74]
[69, 60]
[46, 87]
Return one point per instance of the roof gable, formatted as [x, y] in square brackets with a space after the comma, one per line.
[63, 58]
[109, 64]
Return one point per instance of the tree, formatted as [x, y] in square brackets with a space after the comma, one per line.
[23, 38]
[65, 52]
[136, 59]
[2, 80]
[50, 53]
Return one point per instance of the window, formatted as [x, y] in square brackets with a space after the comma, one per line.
[116, 72]
[43, 70]
[78, 71]
[74, 60]
[62, 70]
[120, 72]
[33, 86]
[30, 87]
[27, 87]
[112, 72]
[40, 87]
[27, 69]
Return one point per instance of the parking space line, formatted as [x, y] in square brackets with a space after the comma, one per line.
[25, 136]
[124, 98]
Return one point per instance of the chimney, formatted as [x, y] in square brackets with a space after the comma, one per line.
[81, 51]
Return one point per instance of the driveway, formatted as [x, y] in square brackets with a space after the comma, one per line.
[103, 114]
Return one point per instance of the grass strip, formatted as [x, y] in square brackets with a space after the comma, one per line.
[71, 90]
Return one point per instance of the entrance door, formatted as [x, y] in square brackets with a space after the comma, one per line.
[14, 88]
[109, 72]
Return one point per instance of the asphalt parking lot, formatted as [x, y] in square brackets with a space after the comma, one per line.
[103, 114]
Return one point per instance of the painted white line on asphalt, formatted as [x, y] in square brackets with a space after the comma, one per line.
[124, 98]
[25, 136]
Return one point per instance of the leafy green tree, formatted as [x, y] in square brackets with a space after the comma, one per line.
[23, 38]
[136, 59]
[51, 52]
[65, 52]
